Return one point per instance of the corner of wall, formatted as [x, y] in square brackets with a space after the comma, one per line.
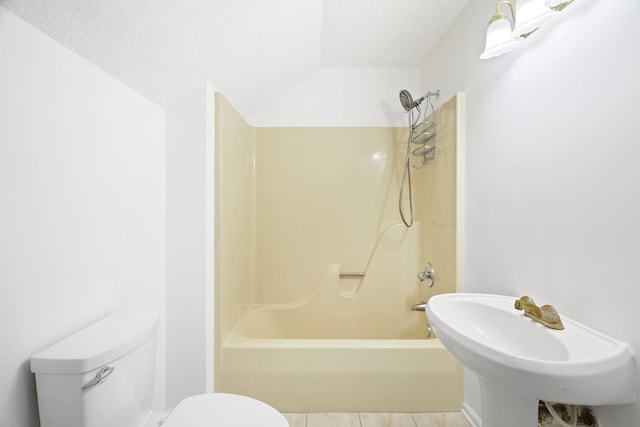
[190, 243]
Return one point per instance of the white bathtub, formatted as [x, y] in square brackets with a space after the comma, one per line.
[326, 370]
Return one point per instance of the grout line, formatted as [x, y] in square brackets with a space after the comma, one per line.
[360, 423]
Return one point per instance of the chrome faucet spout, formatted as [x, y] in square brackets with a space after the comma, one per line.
[546, 315]
[419, 307]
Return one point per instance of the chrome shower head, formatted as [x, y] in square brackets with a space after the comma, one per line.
[406, 100]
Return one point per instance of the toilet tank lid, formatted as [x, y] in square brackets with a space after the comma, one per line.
[99, 343]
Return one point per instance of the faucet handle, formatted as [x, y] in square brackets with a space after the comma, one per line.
[428, 275]
[550, 314]
[523, 302]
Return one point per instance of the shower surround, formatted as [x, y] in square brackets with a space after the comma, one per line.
[297, 211]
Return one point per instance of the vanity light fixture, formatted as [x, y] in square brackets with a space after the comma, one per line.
[558, 5]
[528, 16]
[500, 38]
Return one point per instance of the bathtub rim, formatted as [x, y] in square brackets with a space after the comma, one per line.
[240, 341]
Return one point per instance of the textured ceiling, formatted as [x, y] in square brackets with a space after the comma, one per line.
[251, 50]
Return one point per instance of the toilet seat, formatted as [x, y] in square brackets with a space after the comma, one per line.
[224, 410]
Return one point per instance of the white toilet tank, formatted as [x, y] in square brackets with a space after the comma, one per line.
[101, 376]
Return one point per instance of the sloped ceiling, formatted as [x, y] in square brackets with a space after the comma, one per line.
[251, 50]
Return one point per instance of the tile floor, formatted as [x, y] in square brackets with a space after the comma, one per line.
[350, 419]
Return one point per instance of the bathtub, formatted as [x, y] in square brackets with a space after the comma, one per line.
[326, 369]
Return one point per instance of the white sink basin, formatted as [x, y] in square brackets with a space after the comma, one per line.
[519, 361]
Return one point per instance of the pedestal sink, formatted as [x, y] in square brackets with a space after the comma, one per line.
[519, 361]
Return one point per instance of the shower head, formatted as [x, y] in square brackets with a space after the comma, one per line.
[407, 100]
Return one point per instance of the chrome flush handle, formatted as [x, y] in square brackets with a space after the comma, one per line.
[101, 375]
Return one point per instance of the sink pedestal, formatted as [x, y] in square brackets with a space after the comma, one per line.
[505, 407]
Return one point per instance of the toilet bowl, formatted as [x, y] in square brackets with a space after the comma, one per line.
[207, 410]
[102, 376]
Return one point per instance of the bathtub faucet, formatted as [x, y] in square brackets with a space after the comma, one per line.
[546, 315]
[419, 307]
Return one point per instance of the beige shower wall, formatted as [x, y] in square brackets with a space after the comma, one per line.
[235, 217]
[435, 200]
[325, 196]
[322, 197]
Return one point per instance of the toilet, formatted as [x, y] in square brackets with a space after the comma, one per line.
[102, 376]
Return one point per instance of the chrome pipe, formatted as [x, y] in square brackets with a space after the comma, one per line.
[350, 275]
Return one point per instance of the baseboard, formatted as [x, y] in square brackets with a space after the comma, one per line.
[470, 415]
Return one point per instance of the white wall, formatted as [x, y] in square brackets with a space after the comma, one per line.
[189, 210]
[81, 205]
[343, 96]
[552, 176]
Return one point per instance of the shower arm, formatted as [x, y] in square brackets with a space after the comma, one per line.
[429, 94]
